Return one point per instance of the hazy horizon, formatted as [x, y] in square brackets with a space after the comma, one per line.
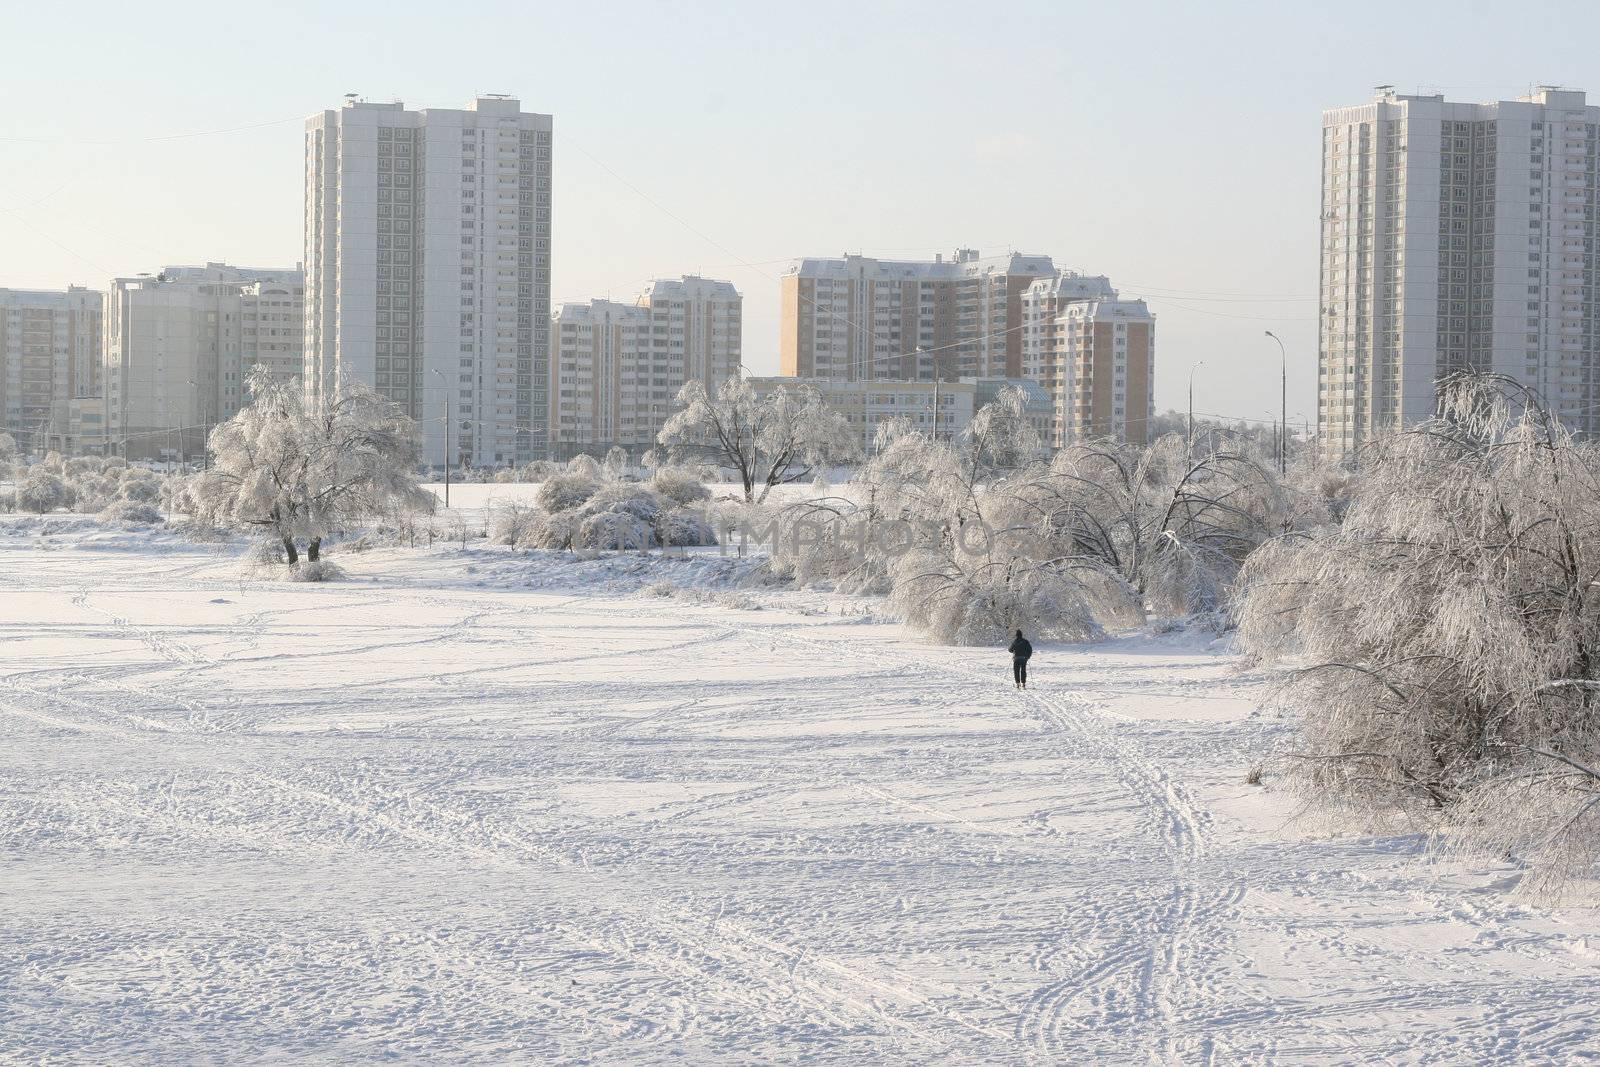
[1173, 148]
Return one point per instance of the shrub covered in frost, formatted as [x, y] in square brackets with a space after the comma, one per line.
[511, 522]
[679, 485]
[684, 528]
[586, 466]
[131, 513]
[321, 570]
[42, 490]
[563, 492]
[614, 529]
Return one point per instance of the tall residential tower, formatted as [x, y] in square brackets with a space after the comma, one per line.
[1456, 236]
[428, 269]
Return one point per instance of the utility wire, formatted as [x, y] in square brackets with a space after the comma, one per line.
[153, 139]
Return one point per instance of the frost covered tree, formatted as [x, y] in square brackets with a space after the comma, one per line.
[1174, 522]
[941, 528]
[8, 448]
[1000, 434]
[762, 441]
[297, 475]
[1001, 538]
[1443, 641]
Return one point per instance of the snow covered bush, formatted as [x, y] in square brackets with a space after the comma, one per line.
[139, 485]
[130, 513]
[1443, 642]
[8, 448]
[680, 486]
[563, 492]
[42, 490]
[511, 522]
[616, 462]
[684, 528]
[318, 570]
[614, 529]
[576, 513]
[586, 466]
[298, 476]
[761, 442]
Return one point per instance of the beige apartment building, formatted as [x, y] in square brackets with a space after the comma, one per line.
[618, 367]
[1094, 354]
[1109, 346]
[1012, 316]
[50, 354]
[860, 319]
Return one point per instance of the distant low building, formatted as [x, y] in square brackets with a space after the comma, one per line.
[1038, 407]
[867, 406]
[86, 420]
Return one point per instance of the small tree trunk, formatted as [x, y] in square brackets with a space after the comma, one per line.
[314, 549]
[290, 551]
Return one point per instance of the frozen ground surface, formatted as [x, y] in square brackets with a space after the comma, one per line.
[454, 811]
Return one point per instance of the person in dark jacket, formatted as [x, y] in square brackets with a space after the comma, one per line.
[1020, 651]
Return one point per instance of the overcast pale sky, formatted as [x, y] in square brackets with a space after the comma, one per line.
[1173, 146]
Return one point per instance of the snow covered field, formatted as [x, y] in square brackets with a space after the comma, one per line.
[472, 806]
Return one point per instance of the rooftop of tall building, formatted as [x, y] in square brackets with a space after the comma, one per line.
[964, 262]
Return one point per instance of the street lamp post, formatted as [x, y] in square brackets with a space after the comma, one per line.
[199, 405]
[446, 383]
[1283, 410]
[1188, 447]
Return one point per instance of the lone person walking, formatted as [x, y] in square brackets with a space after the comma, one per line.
[1020, 651]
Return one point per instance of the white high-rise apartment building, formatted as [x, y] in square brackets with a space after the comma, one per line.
[619, 367]
[1457, 236]
[180, 347]
[428, 269]
[49, 355]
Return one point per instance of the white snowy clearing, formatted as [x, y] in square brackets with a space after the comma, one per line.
[475, 806]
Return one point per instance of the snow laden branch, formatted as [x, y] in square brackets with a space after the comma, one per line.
[1446, 635]
[762, 441]
[296, 476]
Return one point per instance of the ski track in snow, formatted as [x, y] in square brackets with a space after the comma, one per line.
[427, 816]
